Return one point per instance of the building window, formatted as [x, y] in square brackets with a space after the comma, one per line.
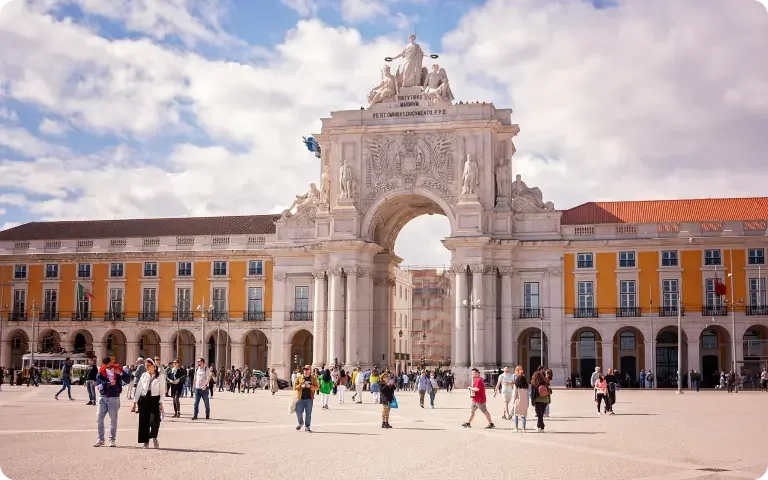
[51, 302]
[115, 301]
[584, 260]
[757, 292]
[185, 269]
[531, 295]
[669, 258]
[149, 300]
[628, 293]
[301, 299]
[83, 300]
[709, 339]
[712, 299]
[20, 272]
[51, 270]
[219, 268]
[255, 300]
[626, 259]
[712, 257]
[587, 345]
[84, 270]
[670, 293]
[627, 340]
[756, 256]
[586, 295]
[116, 270]
[220, 300]
[255, 267]
[150, 269]
[19, 302]
[184, 300]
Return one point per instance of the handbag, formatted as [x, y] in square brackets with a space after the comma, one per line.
[292, 406]
[393, 403]
[543, 391]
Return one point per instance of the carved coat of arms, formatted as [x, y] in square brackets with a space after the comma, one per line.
[409, 161]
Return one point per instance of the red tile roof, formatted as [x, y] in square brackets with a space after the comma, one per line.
[660, 211]
[149, 227]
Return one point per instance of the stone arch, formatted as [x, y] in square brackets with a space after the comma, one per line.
[218, 350]
[301, 348]
[755, 348]
[148, 343]
[81, 341]
[256, 349]
[389, 214]
[629, 353]
[115, 345]
[667, 358]
[184, 349]
[586, 352]
[529, 348]
[49, 341]
[714, 354]
[19, 345]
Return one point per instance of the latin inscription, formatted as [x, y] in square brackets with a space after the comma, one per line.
[409, 100]
[411, 113]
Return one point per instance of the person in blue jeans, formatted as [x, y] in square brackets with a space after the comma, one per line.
[306, 385]
[66, 378]
[202, 383]
[109, 381]
[90, 381]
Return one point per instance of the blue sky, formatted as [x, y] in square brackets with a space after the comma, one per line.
[124, 109]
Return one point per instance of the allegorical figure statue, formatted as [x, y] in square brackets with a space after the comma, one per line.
[436, 87]
[346, 181]
[525, 199]
[502, 178]
[325, 186]
[413, 57]
[386, 89]
[312, 196]
[471, 177]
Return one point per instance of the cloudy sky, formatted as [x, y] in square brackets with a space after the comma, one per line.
[137, 108]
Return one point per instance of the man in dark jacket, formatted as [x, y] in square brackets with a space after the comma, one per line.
[90, 381]
[177, 377]
[109, 382]
[66, 378]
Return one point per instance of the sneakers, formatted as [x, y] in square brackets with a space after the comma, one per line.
[155, 443]
[309, 430]
[490, 426]
[99, 443]
[466, 425]
[112, 443]
[146, 445]
[298, 427]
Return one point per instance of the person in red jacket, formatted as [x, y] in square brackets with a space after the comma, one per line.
[109, 382]
[477, 394]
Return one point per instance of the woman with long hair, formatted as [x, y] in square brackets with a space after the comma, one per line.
[326, 385]
[520, 401]
[342, 385]
[273, 386]
[149, 395]
[540, 397]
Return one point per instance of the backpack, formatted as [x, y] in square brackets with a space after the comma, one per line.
[543, 391]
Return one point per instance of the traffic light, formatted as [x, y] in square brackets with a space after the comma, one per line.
[296, 360]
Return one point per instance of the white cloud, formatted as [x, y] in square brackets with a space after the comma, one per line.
[8, 115]
[620, 103]
[7, 225]
[52, 127]
[305, 8]
[356, 11]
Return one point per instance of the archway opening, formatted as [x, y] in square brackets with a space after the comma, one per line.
[220, 349]
[49, 341]
[82, 342]
[715, 354]
[667, 358]
[301, 349]
[184, 345]
[533, 352]
[629, 355]
[115, 346]
[256, 353]
[755, 346]
[586, 353]
[19, 347]
[149, 344]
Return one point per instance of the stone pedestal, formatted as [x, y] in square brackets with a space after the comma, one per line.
[469, 199]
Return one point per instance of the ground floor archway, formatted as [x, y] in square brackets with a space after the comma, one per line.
[301, 349]
[714, 354]
[629, 354]
[256, 354]
[667, 356]
[49, 341]
[19, 346]
[755, 353]
[532, 351]
[586, 353]
[149, 343]
[82, 342]
[115, 345]
[184, 345]
[219, 351]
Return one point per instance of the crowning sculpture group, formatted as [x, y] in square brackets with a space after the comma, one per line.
[435, 89]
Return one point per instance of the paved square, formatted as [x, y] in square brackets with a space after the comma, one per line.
[654, 434]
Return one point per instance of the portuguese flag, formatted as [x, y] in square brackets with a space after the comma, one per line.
[83, 293]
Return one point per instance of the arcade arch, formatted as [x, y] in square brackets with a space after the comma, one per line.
[629, 353]
[49, 341]
[19, 346]
[586, 352]
[666, 356]
[149, 343]
[184, 348]
[301, 349]
[256, 345]
[755, 345]
[219, 351]
[115, 345]
[82, 341]
[529, 345]
[715, 354]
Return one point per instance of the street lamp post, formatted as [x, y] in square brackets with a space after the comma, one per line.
[679, 346]
[34, 344]
[176, 309]
[203, 311]
[400, 335]
[472, 305]
[733, 315]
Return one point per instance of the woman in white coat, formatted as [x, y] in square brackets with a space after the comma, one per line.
[520, 401]
[149, 394]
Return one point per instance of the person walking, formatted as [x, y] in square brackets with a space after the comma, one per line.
[601, 387]
[201, 385]
[423, 385]
[386, 395]
[137, 373]
[342, 385]
[66, 379]
[359, 384]
[273, 386]
[520, 400]
[506, 387]
[433, 390]
[541, 397]
[178, 379]
[149, 395]
[109, 381]
[306, 385]
[90, 381]
[764, 380]
[477, 395]
[326, 386]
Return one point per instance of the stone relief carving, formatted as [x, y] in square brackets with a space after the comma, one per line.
[408, 161]
[305, 204]
[525, 199]
[385, 90]
[325, 186]
[436, 87]
[470, 179]
[279, 277]
[347, 184]
[502, 180]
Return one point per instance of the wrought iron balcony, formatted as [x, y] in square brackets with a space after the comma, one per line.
[301, 316]
[17, 317]
[628, 312]
[590, 312]
[714, 311]
[148, 317]
[670, 311]
[757, 309]
[81, 317]
[183, 316]
[254, 316]
[218, 316]
[531, 312]
[114, 316]
[48, 316]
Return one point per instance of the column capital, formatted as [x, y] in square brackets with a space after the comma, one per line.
[457, 269]
[279, 277]
[479, 269]
[506, 271]
[335, 271]
[555, 272]
[319, 274]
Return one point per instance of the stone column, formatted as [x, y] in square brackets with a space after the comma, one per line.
[319, 321]
[237, 356]
[649, 359]
[606, 349]
[277, 359]
[557, 356]
[490, 317]
[336, 310]
[351, 343]
[365, 333]
[694, 359]
[460, 324]
[478, 357]
[5, 358]
[131, 352]
[508, 343]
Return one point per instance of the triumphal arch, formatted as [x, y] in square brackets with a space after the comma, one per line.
[415, 150]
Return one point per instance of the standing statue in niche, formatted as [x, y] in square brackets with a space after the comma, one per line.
[502, 179]
[471, 177]
[346, 181]
[528, 199]
[325, 186]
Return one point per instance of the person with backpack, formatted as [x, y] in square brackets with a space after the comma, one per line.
[540, 397]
